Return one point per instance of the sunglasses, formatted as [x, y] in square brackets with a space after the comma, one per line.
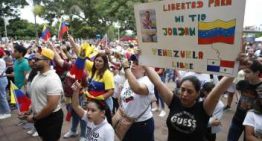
[38, 59]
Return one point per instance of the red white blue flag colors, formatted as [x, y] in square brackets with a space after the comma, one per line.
[22, 101]
[221, 66]
[46, 33]
[63, 29]
[78, 68]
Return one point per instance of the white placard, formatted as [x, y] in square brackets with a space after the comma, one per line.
[201, 36]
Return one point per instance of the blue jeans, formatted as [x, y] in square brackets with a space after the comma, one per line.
[159, 100]
[235, 131]
[4, 107]
[109, 102]
[75, 121]
[141, 131]
[169, 73]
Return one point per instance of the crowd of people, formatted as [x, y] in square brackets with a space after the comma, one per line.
[112, 79]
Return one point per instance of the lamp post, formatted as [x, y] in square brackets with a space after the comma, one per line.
[117, 25]
[118, 34]
[36, 34]
[5, 27]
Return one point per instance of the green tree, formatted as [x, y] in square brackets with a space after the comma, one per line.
[258, 35]
[9, 8]
[22, 29]
[92, 16]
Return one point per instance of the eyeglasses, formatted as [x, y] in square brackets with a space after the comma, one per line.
[38, 59]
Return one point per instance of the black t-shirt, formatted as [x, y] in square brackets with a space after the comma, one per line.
[9, 70]
[186, 124]
[240, 113]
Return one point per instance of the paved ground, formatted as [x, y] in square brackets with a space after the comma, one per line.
[10, 131]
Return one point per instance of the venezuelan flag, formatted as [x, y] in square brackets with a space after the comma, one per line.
[78, 67]
[22, 101]
[100, 97]
[46, 33]
[63, 29]
[216, 31]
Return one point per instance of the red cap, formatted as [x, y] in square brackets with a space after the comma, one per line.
[2, 52]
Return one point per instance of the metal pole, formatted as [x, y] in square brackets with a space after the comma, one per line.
[5, 27]
[118, 35]
[36, 34]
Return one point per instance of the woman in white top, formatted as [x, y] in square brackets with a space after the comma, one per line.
[135, 100]
[252, 122]
[96, 115]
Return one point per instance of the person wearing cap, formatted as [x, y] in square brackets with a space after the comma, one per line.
[135, 101]
[21, 66]
[46, 94]
[4, 107]
[29, 77]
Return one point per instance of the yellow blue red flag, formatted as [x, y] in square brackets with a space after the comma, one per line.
[216, 31]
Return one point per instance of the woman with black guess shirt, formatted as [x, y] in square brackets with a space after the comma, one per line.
[188, 118]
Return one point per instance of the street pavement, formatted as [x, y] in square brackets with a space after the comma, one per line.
[11, 131]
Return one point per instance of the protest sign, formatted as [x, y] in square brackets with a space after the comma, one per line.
[201, 36]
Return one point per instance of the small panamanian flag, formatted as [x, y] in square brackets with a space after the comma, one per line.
[221, 66]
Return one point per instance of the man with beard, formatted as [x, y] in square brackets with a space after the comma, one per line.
[46, 94]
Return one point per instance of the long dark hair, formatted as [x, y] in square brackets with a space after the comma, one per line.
[255, 66]
[207, 87]
[194, 80]
[100, 72]
[101, 104]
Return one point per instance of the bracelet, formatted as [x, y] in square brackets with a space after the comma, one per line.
[125, 68]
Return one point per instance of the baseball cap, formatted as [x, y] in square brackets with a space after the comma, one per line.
[48, 53]
[30, 57]
[2, 52]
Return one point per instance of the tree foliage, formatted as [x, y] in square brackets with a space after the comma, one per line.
[91, 17]
[9, 8]
[87, 18]
[22, 29]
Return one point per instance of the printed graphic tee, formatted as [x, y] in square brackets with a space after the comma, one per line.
[186, 124]
[101, 132]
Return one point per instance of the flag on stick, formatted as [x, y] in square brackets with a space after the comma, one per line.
[46, 33]
[78, 68]
[104, 41]
[22, 101]
[63, 29]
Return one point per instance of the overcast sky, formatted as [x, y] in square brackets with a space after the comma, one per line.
[252, 15]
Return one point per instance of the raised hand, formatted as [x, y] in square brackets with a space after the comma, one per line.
[76, 86]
